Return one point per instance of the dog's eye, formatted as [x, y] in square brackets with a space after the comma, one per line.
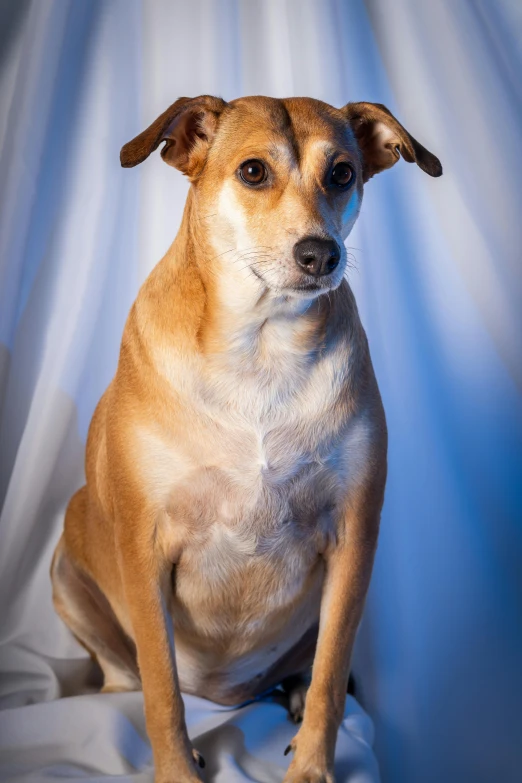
[342, 174]
[253, 172]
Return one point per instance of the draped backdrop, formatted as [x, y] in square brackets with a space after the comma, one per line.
[438, 280]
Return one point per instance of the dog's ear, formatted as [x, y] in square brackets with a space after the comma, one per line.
[187, 128]
[383, 140]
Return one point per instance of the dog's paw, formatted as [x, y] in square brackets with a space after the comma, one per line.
[296, 774]
[296, 688]
[179, 777]
[296, 701]
[187, 771]
[198, 758]
[308, 765]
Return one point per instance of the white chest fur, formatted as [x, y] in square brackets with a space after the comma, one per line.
[251, 476]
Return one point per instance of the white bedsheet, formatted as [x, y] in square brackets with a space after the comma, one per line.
[94, 737]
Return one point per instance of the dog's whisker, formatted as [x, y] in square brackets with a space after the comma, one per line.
[254, 254]
[249, 260]
[222, 254]
[252, 258]
[236, 251]
[247, 266]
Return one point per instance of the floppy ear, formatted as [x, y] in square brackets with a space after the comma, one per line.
[383, 140]
[187, 128]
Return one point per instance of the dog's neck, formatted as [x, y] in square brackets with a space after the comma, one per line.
[240, 313]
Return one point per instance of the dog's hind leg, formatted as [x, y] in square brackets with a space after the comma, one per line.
[87, 612]
[296, 687]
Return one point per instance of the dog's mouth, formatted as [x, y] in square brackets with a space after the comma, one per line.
[306, 287]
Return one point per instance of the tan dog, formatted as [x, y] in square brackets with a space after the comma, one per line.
[236, 464]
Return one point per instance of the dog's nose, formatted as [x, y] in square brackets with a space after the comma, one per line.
[317, 256]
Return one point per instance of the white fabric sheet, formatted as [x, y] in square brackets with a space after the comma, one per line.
[94, 737]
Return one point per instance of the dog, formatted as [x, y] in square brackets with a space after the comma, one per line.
[236, 464]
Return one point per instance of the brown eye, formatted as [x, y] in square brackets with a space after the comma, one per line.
[342, 174]
[253, 172]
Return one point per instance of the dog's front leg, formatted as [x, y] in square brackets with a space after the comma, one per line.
[348, 571]
[146, 577]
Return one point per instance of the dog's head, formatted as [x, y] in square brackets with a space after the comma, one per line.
[279, 183]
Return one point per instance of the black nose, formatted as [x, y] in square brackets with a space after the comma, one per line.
[317, 256]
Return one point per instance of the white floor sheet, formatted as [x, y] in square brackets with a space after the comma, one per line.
[95, 736]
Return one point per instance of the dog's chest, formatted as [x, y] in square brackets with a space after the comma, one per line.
[250, 483]
[264, 431]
